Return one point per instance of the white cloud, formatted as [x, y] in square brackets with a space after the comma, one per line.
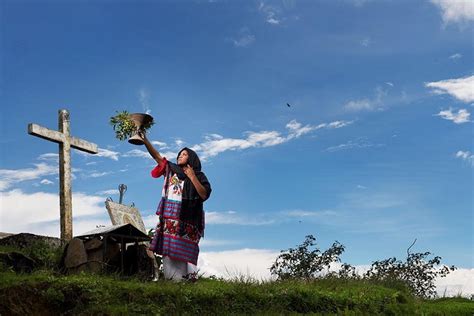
[206, 242]
[216, 144]
[455, 56]
[367, 104]
[466, 156]
[234, 264]
[366, 42]
[97, 174]
[106, 153]
[160, 144]
[273, 21]
[455, 11]
[458, 282]
[296, 129]
[271, 13]
[461, 117]
[108, 192]
[9, 177]
[361, 142]
[233, 218]
[303, 213]
[213, 147]
[137, 153]
[46, 181]
[49, 157]
[461, 88]
[179, 142]
[244, 40]
[38, 213]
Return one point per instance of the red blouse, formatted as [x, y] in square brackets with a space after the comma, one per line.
[159, 170]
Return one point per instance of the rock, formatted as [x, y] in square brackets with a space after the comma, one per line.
[95, 259]
[76, 254]
[92, 244]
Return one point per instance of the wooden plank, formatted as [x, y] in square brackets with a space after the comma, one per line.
[46, 133]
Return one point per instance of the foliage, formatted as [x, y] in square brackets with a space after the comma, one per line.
[124, 126]
[417, 272]
[44, 255]
[304, 263]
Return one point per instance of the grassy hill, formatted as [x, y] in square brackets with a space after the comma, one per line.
[47, 293]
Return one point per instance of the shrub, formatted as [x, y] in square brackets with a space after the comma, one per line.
[303, 263]
[416, 272]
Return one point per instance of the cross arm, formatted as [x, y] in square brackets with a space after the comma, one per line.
[46, 133]
[83, 145]
[58, 137]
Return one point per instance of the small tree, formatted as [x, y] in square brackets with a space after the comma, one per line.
[304, 263]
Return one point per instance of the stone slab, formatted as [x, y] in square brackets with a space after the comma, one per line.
[123, 214]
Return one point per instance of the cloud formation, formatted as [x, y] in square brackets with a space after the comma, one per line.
[460, 88]
[455, 11]
[271, 13]
[216, 144]
[244, 38]
[10, 177]
[368, 104]
[455, 56]
[361, 142]
[466, 156]
[233, 218]
[461, 117]
[45, 207]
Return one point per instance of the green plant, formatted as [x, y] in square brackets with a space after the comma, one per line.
[417, 272]
[124, 126]
[303, 263]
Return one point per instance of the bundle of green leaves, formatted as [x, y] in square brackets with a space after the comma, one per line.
[124, 126]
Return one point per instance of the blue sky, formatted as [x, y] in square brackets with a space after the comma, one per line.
[375, 151]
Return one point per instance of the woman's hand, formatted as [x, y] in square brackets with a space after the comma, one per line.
[188, 170]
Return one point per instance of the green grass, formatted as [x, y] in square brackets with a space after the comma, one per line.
[45, 292]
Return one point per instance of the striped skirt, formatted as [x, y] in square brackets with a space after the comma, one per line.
[174, 238]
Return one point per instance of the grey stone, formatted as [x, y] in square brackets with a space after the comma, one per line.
[123, 214]
[76, 254]
[92, 244]
[95, 258]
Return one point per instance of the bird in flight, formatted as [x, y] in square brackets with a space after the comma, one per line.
[288, 105]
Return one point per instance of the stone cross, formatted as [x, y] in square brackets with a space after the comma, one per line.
[65, 141]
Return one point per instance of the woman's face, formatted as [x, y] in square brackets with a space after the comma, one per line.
[183, 158]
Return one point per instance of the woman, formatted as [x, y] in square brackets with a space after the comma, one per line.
[181, 214]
